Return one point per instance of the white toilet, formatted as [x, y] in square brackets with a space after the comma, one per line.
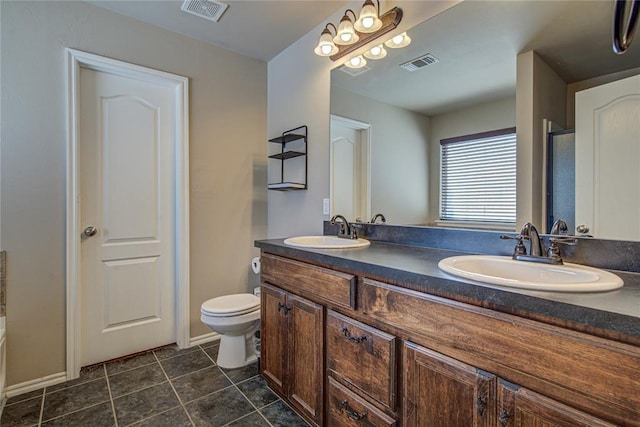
[236, 318]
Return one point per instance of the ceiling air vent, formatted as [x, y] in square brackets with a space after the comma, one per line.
[420, 62]
[207, 9]
[354, 71]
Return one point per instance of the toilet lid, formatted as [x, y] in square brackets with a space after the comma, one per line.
[229, 305]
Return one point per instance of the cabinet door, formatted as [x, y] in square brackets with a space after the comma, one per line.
[519, 407]
[306, 350]
[443, 392]
[273, 355]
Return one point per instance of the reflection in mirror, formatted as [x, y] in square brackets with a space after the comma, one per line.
[472, 89]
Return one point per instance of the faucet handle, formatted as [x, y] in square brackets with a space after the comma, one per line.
[563, 241]
[520, 249]
[554, 251]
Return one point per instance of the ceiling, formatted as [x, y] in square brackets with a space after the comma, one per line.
[477, 43]
[259, 29]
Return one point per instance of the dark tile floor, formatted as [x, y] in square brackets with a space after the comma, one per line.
[165, 387]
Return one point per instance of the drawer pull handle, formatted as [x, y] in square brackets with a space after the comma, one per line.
[348, 336]
[283, 307]
[504, 418]
[351, 413]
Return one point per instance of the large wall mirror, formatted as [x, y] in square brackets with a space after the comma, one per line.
[471, 87]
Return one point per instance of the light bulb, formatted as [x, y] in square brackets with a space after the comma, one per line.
[368, 22]
[356, 62]
[401, 40]
[326, 49]
[376, 52]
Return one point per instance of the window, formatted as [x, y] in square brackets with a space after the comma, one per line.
[478, 182]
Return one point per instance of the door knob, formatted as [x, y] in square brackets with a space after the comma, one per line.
[582, 229]
[90, 231]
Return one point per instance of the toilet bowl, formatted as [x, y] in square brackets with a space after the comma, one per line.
[235, 317]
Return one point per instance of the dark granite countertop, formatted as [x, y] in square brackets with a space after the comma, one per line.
[614, 314]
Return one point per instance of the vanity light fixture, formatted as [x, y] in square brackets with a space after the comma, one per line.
[356, 62]
[368, 21]
[401, 40]
[346, 34]
[376, 52]
[326, 46]
[354, 32]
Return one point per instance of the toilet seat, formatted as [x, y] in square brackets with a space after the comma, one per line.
[230, 305]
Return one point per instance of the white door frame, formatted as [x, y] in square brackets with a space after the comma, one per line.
[75, 60]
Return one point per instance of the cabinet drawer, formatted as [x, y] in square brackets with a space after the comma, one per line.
[362, 356]
[348, 409]
[317, 283]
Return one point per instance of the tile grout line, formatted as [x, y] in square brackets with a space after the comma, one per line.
[233, 383]
[42, 407]
[174, 390]
[240, 391]
[113, 404]
[250, 402]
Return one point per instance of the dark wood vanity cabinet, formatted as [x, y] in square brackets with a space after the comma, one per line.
[443, 392]
[293, 327]
[292, 350]
[399, 357]
[519, 407]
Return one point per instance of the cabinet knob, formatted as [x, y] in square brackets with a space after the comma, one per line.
[283, 307]
[350, 412]
[348, 336]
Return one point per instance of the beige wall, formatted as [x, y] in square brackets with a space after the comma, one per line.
[227, 129]
[479, 118]
[399, 156]
[541, 95]
[299, 86]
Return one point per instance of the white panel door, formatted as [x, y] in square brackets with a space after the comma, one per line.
[127, 194]
[349, 178]
[607, 159]
[344, 189]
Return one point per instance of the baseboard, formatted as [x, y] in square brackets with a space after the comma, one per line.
[36, 384]
[61, 377]
[203, 339]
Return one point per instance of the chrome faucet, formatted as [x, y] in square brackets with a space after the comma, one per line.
[376, 216]
[529, 232]
[537, 250]
[346, 230]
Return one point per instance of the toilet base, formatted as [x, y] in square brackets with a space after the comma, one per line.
[236, 351]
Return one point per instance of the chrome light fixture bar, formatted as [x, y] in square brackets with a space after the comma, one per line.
[351, 36]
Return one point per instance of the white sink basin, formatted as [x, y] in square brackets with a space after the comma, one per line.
[504, 271]
[325, 242]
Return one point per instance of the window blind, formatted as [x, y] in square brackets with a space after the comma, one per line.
[478, 182]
